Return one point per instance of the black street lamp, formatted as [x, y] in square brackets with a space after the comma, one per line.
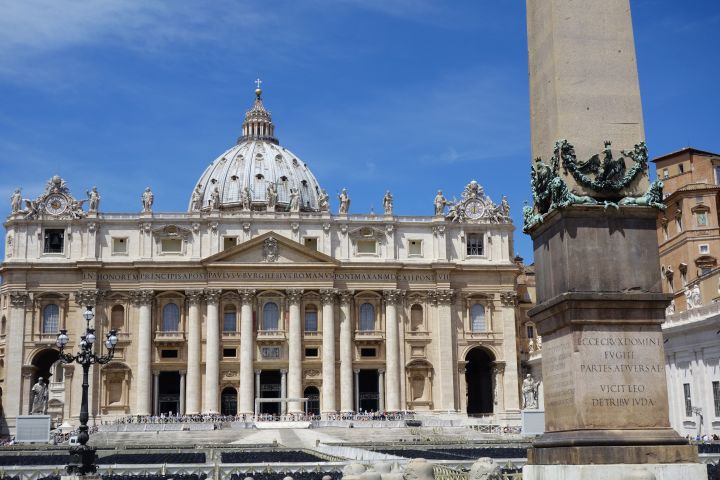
[82, 456]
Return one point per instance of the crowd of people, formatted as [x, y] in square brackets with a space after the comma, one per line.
[264, 417]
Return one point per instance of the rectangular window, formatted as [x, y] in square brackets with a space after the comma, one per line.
[681, 168]
[688, 400]
[366, 246]
[367, 352]
[666, 173]
[171, 245]
[119, 246]
[701, 218]
[415, 247]
[666, 232]
[704, 248]
[54, 240]
[311, 352]
[229, 242]
[474, 245]
[311, 321]
[270, 352]
[311, 242]
[716, 397]
[678, 223]
[168, 354]
[229, 352]
[717, 174]
[705, 270]
[530, 331]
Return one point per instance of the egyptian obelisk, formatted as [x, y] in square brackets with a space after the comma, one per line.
[593, 223]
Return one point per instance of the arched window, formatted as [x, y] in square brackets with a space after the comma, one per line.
[271, 315]
[171, 318]
[51, 318]
[367, 317]
[416, 318]
[117, 317]
[311, 318]
[230, 319]
[477, 318]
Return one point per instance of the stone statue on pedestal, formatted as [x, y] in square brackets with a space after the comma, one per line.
[15, 201]
[93, 200]
[344, 202]
[215, 199]
[323, 201]
[530, 392]
[388, 203]
[439, 203]
[245, 198]
[271, 197]
[294, 200]
[196, 199]
[147, 200]
[39, 398]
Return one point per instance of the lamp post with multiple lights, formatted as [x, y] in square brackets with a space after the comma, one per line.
[82, 456]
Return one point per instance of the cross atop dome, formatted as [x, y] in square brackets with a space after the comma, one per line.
[258, 90]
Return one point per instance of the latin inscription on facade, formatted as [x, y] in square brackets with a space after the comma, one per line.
[203, 276]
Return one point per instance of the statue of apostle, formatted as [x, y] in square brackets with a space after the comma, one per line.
[40, 398]
[344, 202]
[147, 200]
[388, 203]
[93, 199]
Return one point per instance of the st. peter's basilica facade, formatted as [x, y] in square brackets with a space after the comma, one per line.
[258, 290]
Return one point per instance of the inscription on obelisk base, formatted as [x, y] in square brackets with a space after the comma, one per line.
[600, 304]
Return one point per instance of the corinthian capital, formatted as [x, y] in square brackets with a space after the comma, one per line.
[18, 298]
[443, 296]
[329, 296]
[346, 296]
[88, 297]
[393, 297]
[509, 299]
[194, 296]
[247, 295]
[142, 297]
[212, 295]
[294, 296]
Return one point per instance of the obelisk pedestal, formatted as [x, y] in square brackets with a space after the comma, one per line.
[600, 304]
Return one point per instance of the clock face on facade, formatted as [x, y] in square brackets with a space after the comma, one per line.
[474, 209]
[56, 204]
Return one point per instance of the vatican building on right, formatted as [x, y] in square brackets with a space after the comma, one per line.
[258, 300]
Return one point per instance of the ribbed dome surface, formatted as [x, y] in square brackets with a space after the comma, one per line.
[255, 163]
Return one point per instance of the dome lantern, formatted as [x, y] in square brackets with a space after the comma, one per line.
[258, 121]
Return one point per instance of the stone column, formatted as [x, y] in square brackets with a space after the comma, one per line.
[283, 391]
[295, 332]
[12, 391]
[446, 366]
[194, 342]
[509, 370]
[381, 390]
[356, 371]
[328, 352]
[499, 388]
[156, 392]
[212, 352]
[257, 393]
[68, 371]
[392, 352]
[247, 353]
[182, 391]
[346, 352]
[143, 373]
[28, 375]
[462, 387]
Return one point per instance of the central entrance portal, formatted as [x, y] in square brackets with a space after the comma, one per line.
[270, 388]
[369, 391]
[169, 393]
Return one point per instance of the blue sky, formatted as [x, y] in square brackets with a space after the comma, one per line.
[406, 95]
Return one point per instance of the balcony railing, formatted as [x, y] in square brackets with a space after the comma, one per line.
[369, 335]
[230, 335]
[165, 336]
[270, 335]
[312, 333]
[482, 335]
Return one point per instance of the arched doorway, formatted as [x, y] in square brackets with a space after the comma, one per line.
[43, 361]
[313, 396]
[478, 375]
[228, 401]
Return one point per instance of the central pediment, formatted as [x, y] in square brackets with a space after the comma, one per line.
[270, 249]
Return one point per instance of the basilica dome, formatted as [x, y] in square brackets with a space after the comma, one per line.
[258, 173]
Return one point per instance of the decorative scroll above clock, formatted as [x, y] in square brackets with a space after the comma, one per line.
[56, 201]
[474, 205]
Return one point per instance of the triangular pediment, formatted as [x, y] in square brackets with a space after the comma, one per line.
[271, 249]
